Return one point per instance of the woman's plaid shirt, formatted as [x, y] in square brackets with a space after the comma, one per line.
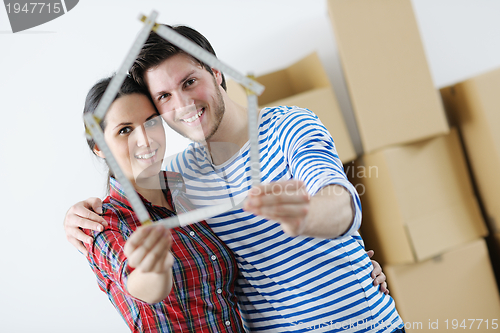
[204, 270]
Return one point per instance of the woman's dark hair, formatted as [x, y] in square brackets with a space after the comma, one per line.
[157, 49]
[95, 94]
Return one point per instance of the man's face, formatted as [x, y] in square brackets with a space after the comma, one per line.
[187, 96]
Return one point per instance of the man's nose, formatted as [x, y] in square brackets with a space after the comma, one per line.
[181, 100]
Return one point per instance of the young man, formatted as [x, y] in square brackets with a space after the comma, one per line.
[302, 263]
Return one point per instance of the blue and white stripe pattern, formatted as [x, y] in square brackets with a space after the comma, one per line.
[290, 284]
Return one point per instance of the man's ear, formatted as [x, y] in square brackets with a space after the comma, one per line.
[217, 75]
[98, 152]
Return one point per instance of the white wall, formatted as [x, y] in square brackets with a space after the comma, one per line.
[45, 284]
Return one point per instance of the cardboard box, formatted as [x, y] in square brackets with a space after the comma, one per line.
[386, 72]
[458, 287]
[417, 200]
[493, 242]
[496, 248]
[304, 84]
[474, 105]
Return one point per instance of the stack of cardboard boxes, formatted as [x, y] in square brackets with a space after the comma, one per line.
[304, 84]
[420, 212]
[474, 107]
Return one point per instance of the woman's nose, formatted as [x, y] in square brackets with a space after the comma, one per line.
[142, 137]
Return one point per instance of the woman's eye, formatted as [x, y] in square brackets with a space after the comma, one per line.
[190, 82]
[125, 130]
[162, 97]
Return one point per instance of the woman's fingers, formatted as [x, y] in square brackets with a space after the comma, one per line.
[148, 247]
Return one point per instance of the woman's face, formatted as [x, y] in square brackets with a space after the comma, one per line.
[135, 135]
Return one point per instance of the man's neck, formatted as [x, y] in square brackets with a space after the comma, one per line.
[232, 133]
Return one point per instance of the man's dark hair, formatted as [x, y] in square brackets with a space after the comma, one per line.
[157, 49]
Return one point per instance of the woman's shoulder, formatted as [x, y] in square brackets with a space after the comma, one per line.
[119, 215]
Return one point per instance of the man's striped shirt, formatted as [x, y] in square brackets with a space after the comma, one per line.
[289, 284]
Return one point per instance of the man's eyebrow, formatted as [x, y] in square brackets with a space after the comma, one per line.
[186, 77]
[156, 95]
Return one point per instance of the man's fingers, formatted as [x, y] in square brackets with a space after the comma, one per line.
[278, 212]
[86, 223]
[79, 246]
[380, 279]
[278, 198]
[370, 253]
[281, 186]
[76, 235]
[376, 269]
[85, 209]
[81, 216]
[95, 204]
[87, 214]
[383, 288]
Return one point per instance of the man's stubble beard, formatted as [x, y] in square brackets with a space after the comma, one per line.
[219, 110]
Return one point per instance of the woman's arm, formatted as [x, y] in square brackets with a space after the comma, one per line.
[148, 251]
[140, 264]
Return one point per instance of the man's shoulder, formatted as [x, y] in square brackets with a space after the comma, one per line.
[278, 114]
[193, 154]
[278, 118]
[283, 110]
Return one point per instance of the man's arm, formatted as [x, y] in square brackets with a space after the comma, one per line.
[332, 207]
[83, 214]
[328, 214]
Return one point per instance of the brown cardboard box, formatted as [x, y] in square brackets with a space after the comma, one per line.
[474, 105]
[493, 242]
[458, 286]
[417, 200]
[496, 240]
[386, 72]
[306, 85]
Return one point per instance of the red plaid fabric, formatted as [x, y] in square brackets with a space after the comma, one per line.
[205, 270]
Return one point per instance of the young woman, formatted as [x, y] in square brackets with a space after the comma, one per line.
[179, 280]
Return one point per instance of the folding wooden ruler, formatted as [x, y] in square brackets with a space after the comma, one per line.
[93, 121]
